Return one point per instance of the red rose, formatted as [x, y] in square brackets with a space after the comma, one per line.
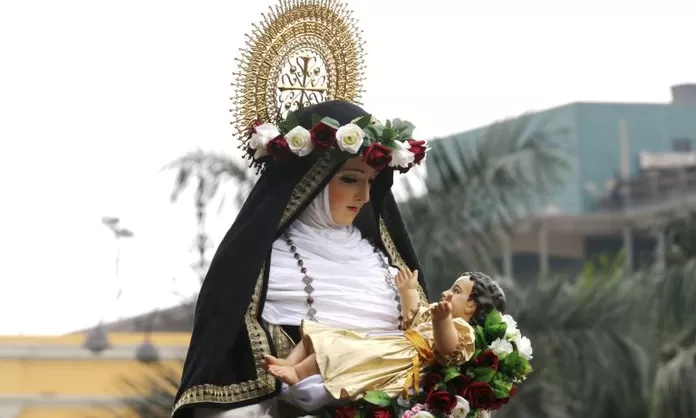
[480, 396]
[487, 359]
[459, 384]
[378, 412]
[323, 135]
[441, 401]
[430, 381]
[278, 147]
[377, 156]
[513, 391]
[418, 149]
[346, 412]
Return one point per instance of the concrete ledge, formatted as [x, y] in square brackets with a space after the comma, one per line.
[10, 410]
[24, 401]
[62, 352]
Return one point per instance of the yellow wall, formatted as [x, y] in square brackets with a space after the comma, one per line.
[62, 412]
[90, 375]
[72, 377]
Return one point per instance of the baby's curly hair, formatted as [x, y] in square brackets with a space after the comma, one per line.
[487, 294]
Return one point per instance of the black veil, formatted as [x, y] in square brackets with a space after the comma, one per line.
[228, 339]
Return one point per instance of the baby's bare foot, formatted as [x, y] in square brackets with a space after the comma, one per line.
[275, 361]
[286, 374]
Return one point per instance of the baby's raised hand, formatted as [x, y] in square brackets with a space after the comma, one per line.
[406, 280]
[441, 310]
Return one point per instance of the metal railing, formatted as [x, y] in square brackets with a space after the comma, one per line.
[648, 188]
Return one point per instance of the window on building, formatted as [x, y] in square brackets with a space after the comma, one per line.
[682, 144]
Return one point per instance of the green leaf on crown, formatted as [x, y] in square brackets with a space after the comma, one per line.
[388, 135]
[403, 129]
[291, 121]
[364, 121]
[378, 130]
[330, 122]
[374, 133]
[378, 398]
[315, 119]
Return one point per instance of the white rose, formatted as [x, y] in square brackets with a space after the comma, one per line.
[299, 141]
[401, 155]
[501, 348]
[350, 138]
[263, 134]
[524, 346]
[512, 331]
[461, 409]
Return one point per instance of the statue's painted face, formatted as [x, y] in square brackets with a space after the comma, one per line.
[459, 295]
[349, 190]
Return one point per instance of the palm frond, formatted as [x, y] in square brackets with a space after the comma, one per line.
[587, 360]
[675, 292]
[149, 396]
[477, 190]
[209, 170]
[510, 154]
[673, 395]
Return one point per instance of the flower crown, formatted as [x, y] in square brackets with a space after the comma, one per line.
[380, 145]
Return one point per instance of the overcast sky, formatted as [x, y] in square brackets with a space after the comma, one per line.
[96, 96]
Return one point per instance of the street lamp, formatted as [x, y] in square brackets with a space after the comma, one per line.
[97, 339]
[147, 351]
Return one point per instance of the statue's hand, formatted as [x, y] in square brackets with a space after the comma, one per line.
[441, 310]
[406, 280]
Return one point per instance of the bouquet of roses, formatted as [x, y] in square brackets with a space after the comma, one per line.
[485, 383]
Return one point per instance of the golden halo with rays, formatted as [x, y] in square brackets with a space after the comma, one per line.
[303, 52]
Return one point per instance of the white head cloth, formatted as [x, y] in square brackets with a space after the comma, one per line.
[348, 277]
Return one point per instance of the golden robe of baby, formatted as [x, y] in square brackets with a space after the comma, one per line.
[352, 363]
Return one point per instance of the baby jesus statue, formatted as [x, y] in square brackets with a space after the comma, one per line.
[352, 363]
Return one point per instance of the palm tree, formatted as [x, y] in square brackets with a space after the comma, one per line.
[607, 343]
[674, 354]
[209, 171]
[590, 358]
[478, 190]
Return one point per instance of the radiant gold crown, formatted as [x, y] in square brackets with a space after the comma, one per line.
[303, 52]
